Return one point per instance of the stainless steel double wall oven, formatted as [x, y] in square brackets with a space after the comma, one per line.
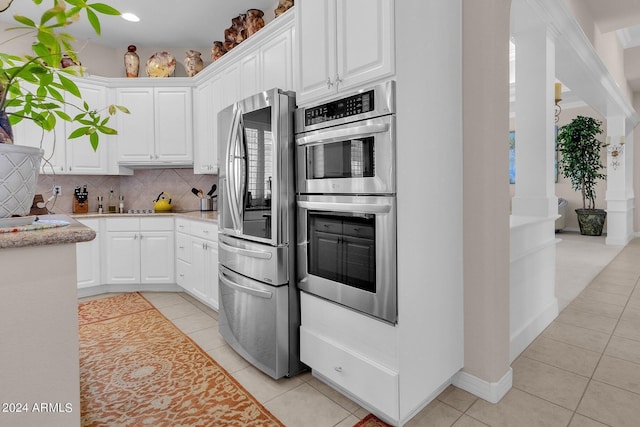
[346, 198]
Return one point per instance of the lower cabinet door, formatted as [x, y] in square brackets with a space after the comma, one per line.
[123, 258]
[157, 257]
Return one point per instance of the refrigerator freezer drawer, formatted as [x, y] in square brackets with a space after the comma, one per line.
[254, 321]
[268, 264]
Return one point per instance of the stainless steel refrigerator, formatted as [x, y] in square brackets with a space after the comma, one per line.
[259, 303]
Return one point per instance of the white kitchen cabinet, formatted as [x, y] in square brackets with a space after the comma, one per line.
[53, 143]
[197, 259]
[88, 256]
[81, 159]
[159, 128]
[226, 91]
[276, 60]
[75, 156]
[262, 62]
[205, 159]
[342, 44]
[361, 360]
[250, 75]
[140, 250]
[213, 94]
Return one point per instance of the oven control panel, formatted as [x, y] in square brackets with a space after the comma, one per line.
[341, 108]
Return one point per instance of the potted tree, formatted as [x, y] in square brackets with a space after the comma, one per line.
[580, 162]
[34, 87]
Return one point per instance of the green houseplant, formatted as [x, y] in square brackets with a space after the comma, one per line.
[580, 163]
[33, 87]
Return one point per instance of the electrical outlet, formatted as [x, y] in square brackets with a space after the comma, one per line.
[57, 190]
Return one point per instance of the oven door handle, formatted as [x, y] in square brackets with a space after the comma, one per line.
[345, 207]
[245, 289]
[245, 252]
[357, 131]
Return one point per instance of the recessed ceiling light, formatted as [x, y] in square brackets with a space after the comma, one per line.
[132, 17]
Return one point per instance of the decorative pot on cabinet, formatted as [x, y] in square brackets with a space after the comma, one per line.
[131, 62]
[161, 64]
[193, 62]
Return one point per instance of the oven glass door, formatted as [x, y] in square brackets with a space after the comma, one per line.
[347, 251]
[353, 158]
[342, 248]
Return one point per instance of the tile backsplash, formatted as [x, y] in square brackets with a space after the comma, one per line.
[140, 190]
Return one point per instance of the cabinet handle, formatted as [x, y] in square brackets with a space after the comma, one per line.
[150, 157]
[205, 231]
[329, 84]
[338, 80]
[181, 275]
[180, 247]
[338, 368]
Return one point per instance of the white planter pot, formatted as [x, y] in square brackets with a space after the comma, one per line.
[19, 169]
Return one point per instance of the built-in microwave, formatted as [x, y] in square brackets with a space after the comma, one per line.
[347, 146]
[347, 251]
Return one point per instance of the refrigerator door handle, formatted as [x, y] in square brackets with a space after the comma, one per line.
[232, 184]
[246, 252]
[245, 289]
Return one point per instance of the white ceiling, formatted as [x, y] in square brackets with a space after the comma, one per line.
[623, 17]
[163, 23]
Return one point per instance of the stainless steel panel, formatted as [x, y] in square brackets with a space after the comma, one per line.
[233, 167]
[384, 181]
[383, 303]
[266, 263]
[384, 98]
[254, 321]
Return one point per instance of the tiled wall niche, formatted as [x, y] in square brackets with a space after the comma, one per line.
[139, 190]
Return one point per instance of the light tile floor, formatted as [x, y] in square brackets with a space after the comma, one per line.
[582, 371]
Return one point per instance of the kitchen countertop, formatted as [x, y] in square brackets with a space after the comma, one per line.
[201, 215]
[75, 232]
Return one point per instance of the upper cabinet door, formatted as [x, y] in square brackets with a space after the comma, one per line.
[81, 158]
[173, 124]
[342, 44]
[365, 50]
[135, 130]
[277, 62]
[205, 159]
[316, 35]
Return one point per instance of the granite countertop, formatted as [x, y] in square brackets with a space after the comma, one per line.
[201, 215]
[72, 233]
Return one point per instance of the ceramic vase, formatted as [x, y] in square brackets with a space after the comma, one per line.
[161, 64]
[131, 62]
[217, 50]
[193, 63]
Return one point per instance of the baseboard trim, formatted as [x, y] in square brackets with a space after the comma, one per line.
[105, 289]
[491, 392]
[521, 339]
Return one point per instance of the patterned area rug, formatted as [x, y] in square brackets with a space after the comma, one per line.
[371, 421]
[138, 369]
